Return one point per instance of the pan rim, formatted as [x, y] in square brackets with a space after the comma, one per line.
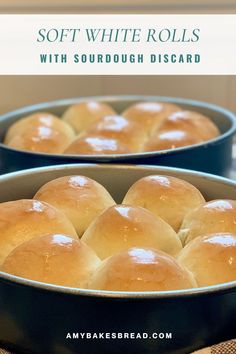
[213, 290]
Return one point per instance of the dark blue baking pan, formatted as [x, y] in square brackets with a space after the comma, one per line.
[36, 318]
[214, 156]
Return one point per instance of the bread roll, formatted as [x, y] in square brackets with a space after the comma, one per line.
[96, 145]
[171, 139]
[139, 269]
[36, 120]
[121, 227]
[117, 127]
[21, 220]
[81, 115]
[41, 139]
[211, 258]
[80, 198]
[168, 197]
[194, 123]
[211, 217]
[54, 259]
[150, 114]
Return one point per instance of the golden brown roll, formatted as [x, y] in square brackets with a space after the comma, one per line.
[21, 220]
[150, 114]
[171, 139]
[80, 198]
[41, 139]
[193, 123]
[211, 217]
[96, 145]
[54, 259]
[211, 258]
[168, 197]
[80, 116]
[141, 269]
[117, 127]
[36, 120]
[121, 227]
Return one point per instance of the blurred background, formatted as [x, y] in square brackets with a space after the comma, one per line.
[118, 6]
[16, 91]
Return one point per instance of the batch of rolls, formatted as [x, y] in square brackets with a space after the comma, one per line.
[164, 236]
[94, 128]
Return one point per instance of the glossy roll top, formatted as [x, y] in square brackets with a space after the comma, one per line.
[211, 258]
[167, 197]
[40, 132]
[24, 219]
[81, 115]
[210, 217]
[80, 198]
[54, 259]
[121, 227]
[141, 269]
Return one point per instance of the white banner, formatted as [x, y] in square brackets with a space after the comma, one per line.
[117, 44]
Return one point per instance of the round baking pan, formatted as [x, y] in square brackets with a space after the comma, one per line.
[41, 318]
[214, 156]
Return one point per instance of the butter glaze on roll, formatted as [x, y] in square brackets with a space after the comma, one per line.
[41, 139]
[24, 219]
[171, 139]
[80, 198]
[121, 227]
[81, 115]
[36, 120]
[96, 145]
[117, 127]
[211, 217]
[193, 123]
[55, 259]
[139, 269]
[150, 114]
[168, 197]
[211, 258]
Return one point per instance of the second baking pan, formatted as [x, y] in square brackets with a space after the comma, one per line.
[214, 156]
